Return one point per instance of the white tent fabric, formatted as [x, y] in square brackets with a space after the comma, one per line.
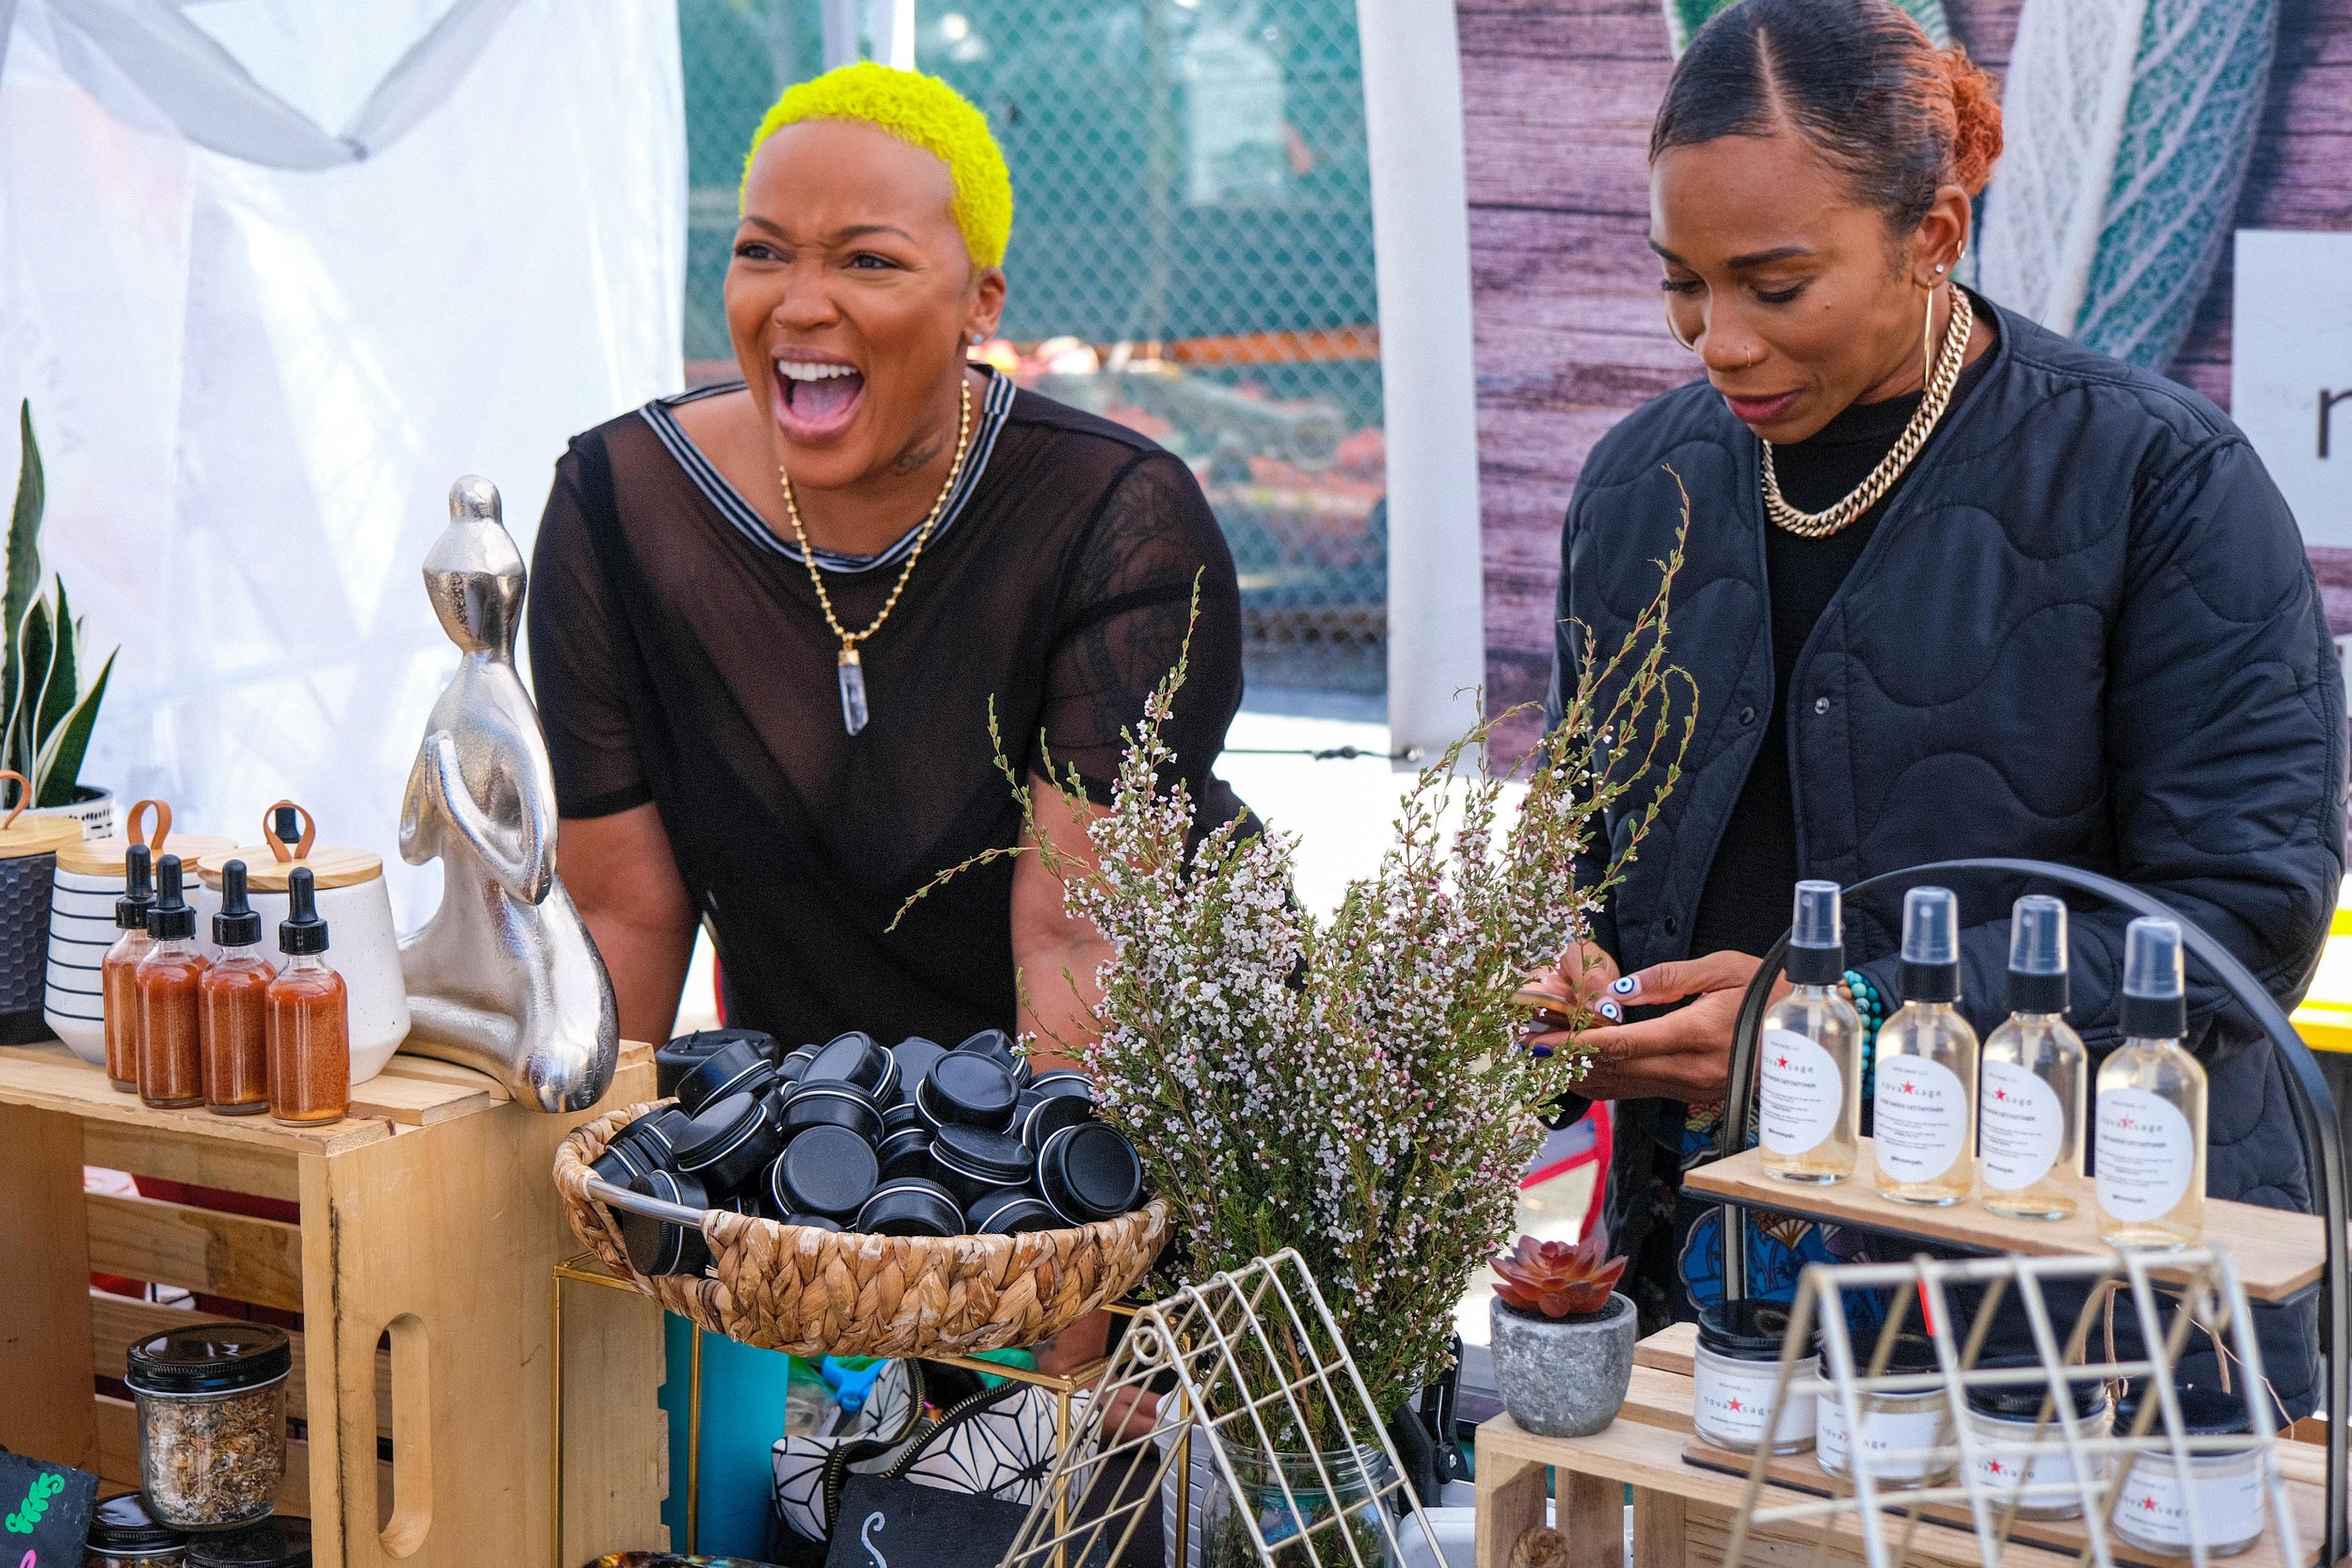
[258, 352]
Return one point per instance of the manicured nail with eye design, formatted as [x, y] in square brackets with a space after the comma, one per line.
[1610, 1011]
[1539, 1051]
[1626, 986]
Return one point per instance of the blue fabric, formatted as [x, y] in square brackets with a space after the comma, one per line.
[2086, 631]
[743, 1411]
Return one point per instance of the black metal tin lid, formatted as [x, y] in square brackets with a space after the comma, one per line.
[916, 1056]
[854, 1058]
[659, 1132]
[973, 1088]
[902, 1116]
[978, 1154]
[657, 1246]
[909, 1206]
[1039, 1116]
[210, 1358]
[811, 1222]
[831, 1105]
[257, 1546]
[2204, 1412]
[123, 1525]
[673, 1061]
[996, 1043]
[1090, 1172]
[795, 1064]
[735, 1066]
[906, 1151]
[1745, 1330]
[1062, 1080]
[1910, 1353]
[2022, 1401]
[1007, 1211]
[721, 1128]
[620, 1164]
[826, 1170]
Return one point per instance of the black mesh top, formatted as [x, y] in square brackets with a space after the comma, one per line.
[679, 657]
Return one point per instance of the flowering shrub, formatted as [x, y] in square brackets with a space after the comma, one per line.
[1355, 1089]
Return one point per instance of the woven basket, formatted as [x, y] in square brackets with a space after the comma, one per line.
[818, 1293]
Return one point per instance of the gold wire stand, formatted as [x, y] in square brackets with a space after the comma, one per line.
[586, 1269]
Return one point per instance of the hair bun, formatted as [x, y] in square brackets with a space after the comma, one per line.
[1976, 118]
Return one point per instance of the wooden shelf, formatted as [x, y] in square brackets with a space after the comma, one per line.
[2278, 1254]
[1685, 1496]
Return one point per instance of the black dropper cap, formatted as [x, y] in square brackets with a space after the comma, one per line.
[171, 919]
[302, 931]
[238, 924]
[138, 890]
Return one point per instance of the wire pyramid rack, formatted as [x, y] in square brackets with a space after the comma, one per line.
[2130, 1493]
[1249, 1364]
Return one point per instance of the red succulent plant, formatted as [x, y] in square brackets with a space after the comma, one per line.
[1555, 1279]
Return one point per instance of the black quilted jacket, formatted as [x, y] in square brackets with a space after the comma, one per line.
[2085, 631]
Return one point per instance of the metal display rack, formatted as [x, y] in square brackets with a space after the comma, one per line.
[2308, 1092]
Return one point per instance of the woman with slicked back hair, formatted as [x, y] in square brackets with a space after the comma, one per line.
[1955, 587]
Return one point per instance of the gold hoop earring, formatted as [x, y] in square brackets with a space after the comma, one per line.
[1680, 341]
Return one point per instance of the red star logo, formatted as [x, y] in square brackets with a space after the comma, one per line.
[2000, 1094]
[2127, 1121]
[1994, 1466]
[1736, 1405]
[2148, 1503]
[1909, 1087]
[1783, 1061]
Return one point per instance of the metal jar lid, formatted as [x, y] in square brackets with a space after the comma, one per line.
[210, 1358]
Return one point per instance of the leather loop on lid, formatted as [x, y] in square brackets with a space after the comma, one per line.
[163, 824]
[301, 852]
[38, 835]
[23, 797]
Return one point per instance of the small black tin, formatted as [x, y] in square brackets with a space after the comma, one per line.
[620, 1164]
[735, 1067]
[905, 1114]
[1039, 1116]
[271, 1542]
[679, 1058]
[974, 1161]
[731, 1142]
[854, 1058]
[657, 1246]
[907, 1152]
[996, 1043]
[817, 1102]
[811, 1222]
[795, 1067]
[1007, 1211]
[915, 1056]
[1090, 1173]
[909, 1206]
[969, 1089]
[123, 1531]
[1062, 1080]
[824, 1170]
[657, 1135]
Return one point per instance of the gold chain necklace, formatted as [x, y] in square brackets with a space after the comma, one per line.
[853, 711]
[1943, 374]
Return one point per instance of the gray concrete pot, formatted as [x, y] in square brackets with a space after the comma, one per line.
[1563, 1377]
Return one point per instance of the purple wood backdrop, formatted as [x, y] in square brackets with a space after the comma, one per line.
[1568, 338]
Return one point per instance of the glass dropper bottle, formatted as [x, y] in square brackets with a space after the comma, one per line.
[1922, 1111]
[2151, 1149]
[236, 1014]
[310, 1016]
[118, 984]
[1809, 1071]
[2030, 1097]
[169, 981]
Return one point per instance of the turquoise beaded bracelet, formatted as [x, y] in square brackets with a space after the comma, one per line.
[1871, 1005]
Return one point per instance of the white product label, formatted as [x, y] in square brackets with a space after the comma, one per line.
[1734, 1406]
[2003, 1466]
[2146, 1154]
[1801, 1093]
[2151, 1507]
[1922, 1118]
[1908, 1432]
[2021, 1125]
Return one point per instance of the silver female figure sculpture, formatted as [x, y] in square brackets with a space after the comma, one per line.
[504, 977]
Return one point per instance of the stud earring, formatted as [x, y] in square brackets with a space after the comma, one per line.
[1939, 269]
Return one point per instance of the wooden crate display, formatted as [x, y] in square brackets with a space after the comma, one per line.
[420, 1264]
[1685, 1493]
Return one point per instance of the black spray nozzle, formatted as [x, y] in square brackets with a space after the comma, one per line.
[138, 889]
[170, 918]
[302, 931]
[238, 924]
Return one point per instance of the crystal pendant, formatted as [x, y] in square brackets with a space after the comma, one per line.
[852, 692]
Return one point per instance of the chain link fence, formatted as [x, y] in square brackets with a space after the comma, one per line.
[1191, 256]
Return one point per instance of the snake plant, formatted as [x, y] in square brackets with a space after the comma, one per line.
[49, 712]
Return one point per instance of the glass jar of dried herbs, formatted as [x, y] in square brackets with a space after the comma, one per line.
[211, 1403]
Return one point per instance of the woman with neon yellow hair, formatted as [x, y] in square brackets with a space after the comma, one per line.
[769, 619]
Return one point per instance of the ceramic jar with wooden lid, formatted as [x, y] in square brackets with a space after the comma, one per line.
[355, 904]
[28, 865]
[82, 920]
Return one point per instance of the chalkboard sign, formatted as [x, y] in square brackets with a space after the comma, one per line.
[901, 1524]
[44, 1513]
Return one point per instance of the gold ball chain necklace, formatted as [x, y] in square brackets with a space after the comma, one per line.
[853, 709]
[1942, 373]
